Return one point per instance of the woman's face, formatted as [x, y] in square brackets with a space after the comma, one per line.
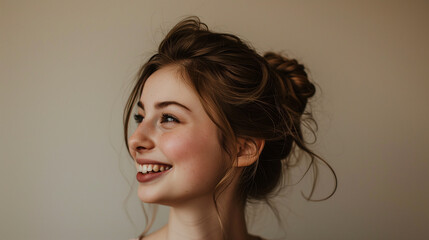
[176, 135]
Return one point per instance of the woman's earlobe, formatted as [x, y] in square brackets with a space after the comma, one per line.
[249, 151]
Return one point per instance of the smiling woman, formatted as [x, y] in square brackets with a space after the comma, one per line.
[174, 132]
[217, 124]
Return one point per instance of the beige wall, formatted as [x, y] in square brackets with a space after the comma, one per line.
[65, 70]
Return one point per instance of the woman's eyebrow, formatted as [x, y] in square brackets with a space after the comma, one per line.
[165, 104]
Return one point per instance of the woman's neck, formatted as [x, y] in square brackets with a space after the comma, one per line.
[200, 220]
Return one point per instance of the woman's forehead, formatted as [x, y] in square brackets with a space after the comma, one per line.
[167, 85]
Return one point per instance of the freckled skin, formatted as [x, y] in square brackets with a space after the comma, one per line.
[191, 146]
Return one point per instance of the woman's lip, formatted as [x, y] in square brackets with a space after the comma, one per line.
[148, 161]
[142, 178]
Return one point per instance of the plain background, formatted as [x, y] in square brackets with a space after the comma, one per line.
[66, 68]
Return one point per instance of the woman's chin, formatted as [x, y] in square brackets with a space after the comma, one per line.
[152, 196]
[147, 197]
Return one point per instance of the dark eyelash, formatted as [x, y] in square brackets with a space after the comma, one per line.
[138, 118]
[166, 116]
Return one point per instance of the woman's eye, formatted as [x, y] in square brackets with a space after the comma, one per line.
[167, 118]
[138, 118]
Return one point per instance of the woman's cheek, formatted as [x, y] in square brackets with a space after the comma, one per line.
[192, 151]
[177, 146]
[186, 152]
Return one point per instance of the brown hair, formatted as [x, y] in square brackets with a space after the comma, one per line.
[246, 95]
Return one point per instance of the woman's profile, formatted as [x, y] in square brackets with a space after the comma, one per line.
[217, 125]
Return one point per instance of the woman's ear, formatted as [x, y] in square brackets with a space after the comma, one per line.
[249, 150]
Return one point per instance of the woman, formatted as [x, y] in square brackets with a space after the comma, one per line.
[217, 124]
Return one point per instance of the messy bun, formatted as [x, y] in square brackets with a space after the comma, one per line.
[293, 75]
[246, 95]
[289, 92]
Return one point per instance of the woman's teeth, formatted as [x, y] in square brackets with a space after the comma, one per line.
[146, 168]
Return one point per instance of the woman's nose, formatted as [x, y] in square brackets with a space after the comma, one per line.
[141, 140]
